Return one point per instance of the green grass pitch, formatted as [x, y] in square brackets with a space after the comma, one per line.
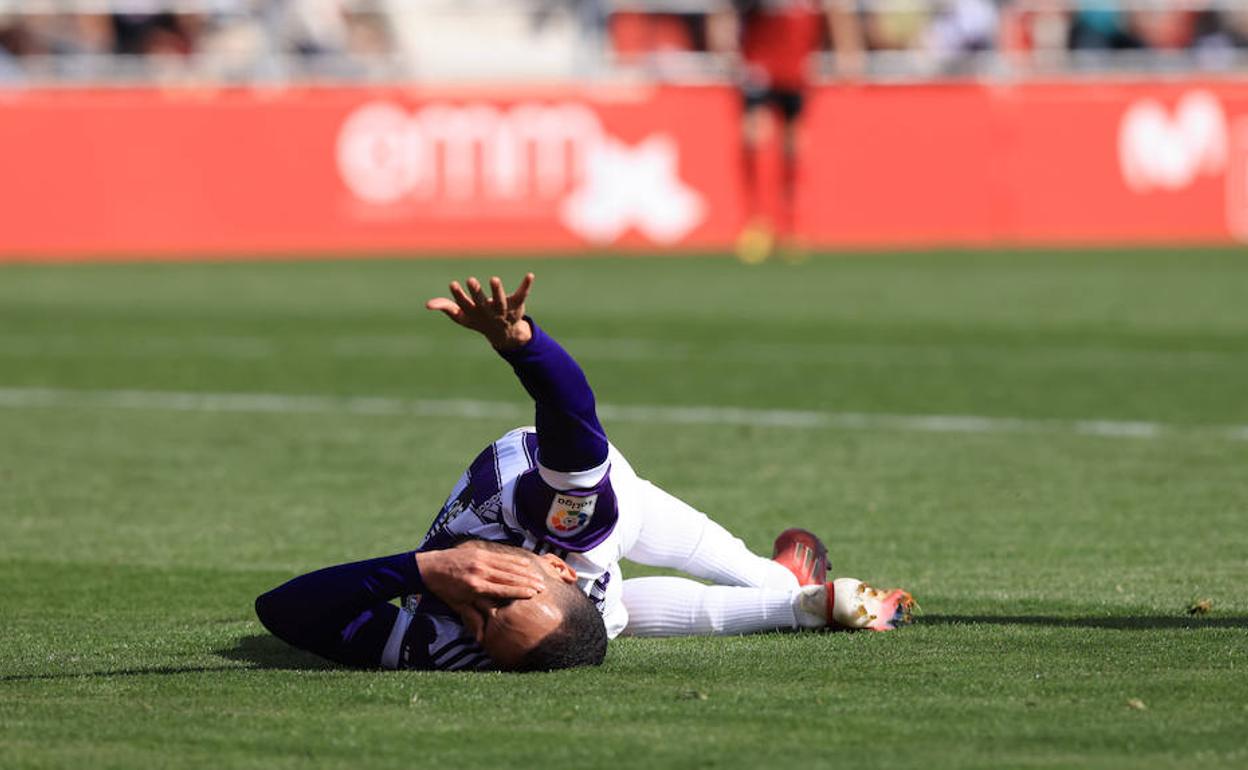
[1055, 547]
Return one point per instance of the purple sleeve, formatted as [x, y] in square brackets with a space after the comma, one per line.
[569, 436]
[342, 613]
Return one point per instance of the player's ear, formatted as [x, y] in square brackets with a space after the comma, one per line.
[561, 567]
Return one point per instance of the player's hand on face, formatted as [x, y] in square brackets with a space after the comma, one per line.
[473, 579]
[499, 317]
[470, 571]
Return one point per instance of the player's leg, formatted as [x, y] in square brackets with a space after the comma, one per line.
[790, 104]
[752, 594]
[757, 237]
[678, 536]
[753, 134]
[671, 606]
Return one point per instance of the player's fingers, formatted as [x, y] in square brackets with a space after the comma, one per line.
[462, 299]
[505, 573]
[474, 288]
[445, 305]
[500, 296]
[504, 591]
[485, 575]
[526, 579]
[522, 291]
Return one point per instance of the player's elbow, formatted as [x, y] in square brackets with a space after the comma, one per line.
[274, 613]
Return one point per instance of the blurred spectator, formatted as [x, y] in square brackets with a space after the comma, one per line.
[1099, 25]
[236, 35]
[259, 39]
[959, 30]
[1166, 26]
[154, 34]
[1216, 35]
[14, 42]
[314, 27]
[896, 25]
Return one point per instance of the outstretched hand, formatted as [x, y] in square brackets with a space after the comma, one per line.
[499, 317]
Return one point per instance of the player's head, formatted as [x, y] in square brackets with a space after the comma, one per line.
[558, 628]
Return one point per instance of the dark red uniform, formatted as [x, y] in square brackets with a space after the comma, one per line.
[777, 39]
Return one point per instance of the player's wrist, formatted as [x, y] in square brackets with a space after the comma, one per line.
[513, 337]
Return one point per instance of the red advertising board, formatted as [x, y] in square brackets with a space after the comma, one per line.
[1027, 164]
[242, 172]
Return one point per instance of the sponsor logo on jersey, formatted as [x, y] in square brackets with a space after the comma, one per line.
[569, 515]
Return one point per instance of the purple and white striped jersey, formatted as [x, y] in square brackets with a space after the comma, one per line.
[483, 506]
[432, 638]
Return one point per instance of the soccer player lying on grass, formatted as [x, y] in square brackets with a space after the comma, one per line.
[520, 569]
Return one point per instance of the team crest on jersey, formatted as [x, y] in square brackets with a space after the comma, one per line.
[569, 515]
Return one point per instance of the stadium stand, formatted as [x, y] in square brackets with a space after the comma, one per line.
[299, 40]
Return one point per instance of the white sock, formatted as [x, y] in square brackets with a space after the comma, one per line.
[810, 606]
[672, 606]
[678, 536]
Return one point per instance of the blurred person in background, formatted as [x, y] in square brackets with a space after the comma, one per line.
[155, 33]
[1217, 35]
[934, 36]
[1034, 36]
[70, 35]
[225, 40]
[331, 37]
[957, 32]
[14, 42]
[1101, 25]
[770, 43]
[313, 27]
[895, 25]
[1169, 25]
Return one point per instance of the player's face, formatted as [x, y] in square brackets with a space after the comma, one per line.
[513, 628]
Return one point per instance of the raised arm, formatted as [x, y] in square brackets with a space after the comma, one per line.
[572, 444]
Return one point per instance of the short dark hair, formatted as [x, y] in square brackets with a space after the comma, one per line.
[580, 640]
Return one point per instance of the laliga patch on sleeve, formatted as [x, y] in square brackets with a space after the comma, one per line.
[570, 515]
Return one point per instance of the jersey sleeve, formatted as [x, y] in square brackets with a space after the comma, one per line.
[343, 613]
[572, 445]
[566, 501]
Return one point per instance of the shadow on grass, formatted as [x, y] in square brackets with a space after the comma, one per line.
[269, 652]
[1120, 623]
[259, 651]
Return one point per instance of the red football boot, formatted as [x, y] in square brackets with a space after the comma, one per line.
[804, 554]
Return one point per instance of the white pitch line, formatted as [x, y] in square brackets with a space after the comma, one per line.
[276, 403]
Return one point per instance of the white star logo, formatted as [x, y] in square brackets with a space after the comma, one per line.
[633, 187]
